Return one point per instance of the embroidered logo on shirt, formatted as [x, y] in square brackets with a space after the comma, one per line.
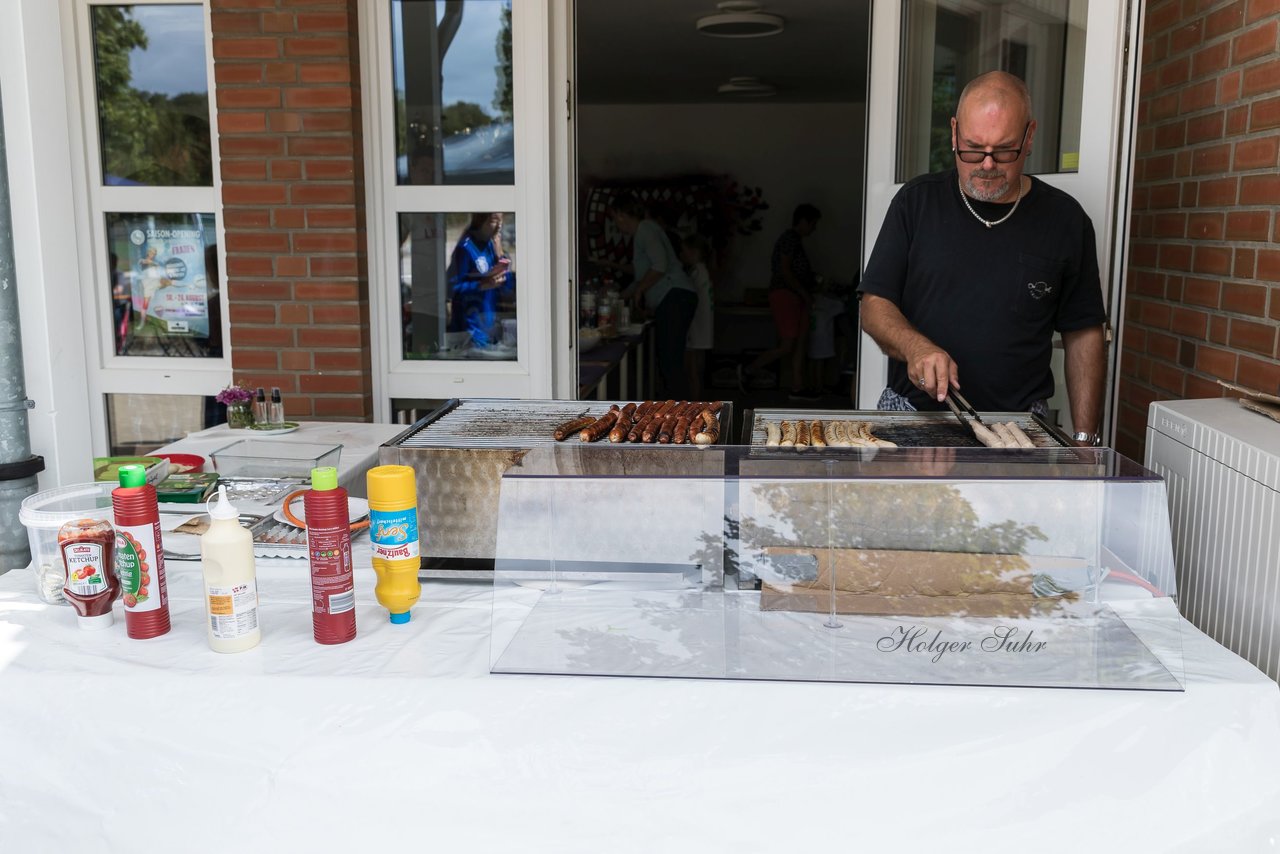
[1039, 290]
[482, 266]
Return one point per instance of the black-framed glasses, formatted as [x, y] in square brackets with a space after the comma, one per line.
[1000, 155]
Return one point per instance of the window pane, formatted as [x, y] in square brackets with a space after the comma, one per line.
[153, 95]
[139, 423]
[164, 284]
[945, 45]
[458, 286]
[451, 66]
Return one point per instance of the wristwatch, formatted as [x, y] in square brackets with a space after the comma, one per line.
[1088, 438]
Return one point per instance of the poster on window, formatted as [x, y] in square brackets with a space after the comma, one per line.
[168, 285]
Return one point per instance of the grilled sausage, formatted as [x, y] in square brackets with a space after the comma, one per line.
[772, 435]
[815, 435]
[568, 428]
[623, 424]
[788, 434]
[1024, 441]
[600, 427]
[986, 437]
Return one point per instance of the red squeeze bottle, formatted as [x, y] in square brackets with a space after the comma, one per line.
[139, 556]
[333, 598]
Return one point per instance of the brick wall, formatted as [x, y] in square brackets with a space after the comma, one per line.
[1204, 264]
[288, 93]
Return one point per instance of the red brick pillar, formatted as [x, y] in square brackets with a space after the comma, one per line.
[1203, 289]
[288, 95]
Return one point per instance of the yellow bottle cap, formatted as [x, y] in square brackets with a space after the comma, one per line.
[392, 487]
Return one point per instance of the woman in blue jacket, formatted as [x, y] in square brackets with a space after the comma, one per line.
[479, 273]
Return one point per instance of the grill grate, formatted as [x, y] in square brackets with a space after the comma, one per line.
[910, 429]
[506, 423]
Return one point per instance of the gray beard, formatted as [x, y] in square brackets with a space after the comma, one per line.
[981, 195]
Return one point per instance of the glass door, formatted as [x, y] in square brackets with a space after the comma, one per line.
[1070, 53]
[460, 293]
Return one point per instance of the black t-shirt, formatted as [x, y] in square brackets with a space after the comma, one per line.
[791, 245]
[991, 297]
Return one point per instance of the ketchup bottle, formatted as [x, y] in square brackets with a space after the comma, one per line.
[333, 598]
[92, 586]
[139, 555]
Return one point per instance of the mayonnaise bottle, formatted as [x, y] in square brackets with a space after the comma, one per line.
[230, 580]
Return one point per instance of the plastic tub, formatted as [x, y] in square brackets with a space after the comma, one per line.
[44, 513]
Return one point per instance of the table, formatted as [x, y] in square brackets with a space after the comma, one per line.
[360, 443]
[622, 367]
[403, 737]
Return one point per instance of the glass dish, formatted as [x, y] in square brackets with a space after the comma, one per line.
[267, 458]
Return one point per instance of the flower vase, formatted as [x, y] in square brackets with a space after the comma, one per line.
[239, 415]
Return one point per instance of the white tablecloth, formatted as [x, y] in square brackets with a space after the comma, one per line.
[403, 737]
[360, 443]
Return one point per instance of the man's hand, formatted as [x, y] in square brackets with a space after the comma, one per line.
[932, 370]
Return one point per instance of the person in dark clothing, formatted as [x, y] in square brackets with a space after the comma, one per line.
[977, 267]
[662, 286]
[791, 287]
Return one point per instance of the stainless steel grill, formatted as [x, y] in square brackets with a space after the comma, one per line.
[908, 429]
[460, 452]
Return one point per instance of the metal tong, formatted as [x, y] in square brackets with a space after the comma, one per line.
[968, 407]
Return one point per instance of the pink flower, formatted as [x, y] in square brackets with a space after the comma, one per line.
[234, 394]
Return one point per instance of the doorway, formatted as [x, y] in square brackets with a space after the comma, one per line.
[721, 139]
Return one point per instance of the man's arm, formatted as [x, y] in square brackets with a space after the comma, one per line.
[1086, 361]
[884, 322]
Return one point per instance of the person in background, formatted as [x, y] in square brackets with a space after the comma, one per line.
[478, 273]
[694, 251]
[975, 269]
[121, 304]
[791, 286]
[824, 314]
[663, 288]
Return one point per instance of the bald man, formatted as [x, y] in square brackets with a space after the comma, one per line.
[975, 269]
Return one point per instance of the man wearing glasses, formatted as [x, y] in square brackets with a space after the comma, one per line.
[977, 267]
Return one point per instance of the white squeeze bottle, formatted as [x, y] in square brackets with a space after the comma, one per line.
[230, 580]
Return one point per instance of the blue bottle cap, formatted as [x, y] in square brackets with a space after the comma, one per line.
[398, 619]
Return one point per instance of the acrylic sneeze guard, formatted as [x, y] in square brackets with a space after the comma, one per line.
[1037, 568]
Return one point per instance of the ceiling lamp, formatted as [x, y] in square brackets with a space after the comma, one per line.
[747, 87]
[740, 19]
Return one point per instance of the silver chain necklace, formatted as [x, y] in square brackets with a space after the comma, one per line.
[989, 222]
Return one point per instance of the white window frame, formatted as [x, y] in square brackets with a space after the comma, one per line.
[530, 375]
[108, 373]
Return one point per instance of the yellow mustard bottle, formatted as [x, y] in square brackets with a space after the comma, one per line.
[393, 530]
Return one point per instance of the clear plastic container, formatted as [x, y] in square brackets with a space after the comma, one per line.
[272, 458]
[44, 513]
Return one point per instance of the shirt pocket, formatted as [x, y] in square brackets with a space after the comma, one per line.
[1039, 287]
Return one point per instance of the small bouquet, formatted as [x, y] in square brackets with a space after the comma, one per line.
[234, 394]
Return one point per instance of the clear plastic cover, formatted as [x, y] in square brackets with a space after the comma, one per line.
[1047, 569]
